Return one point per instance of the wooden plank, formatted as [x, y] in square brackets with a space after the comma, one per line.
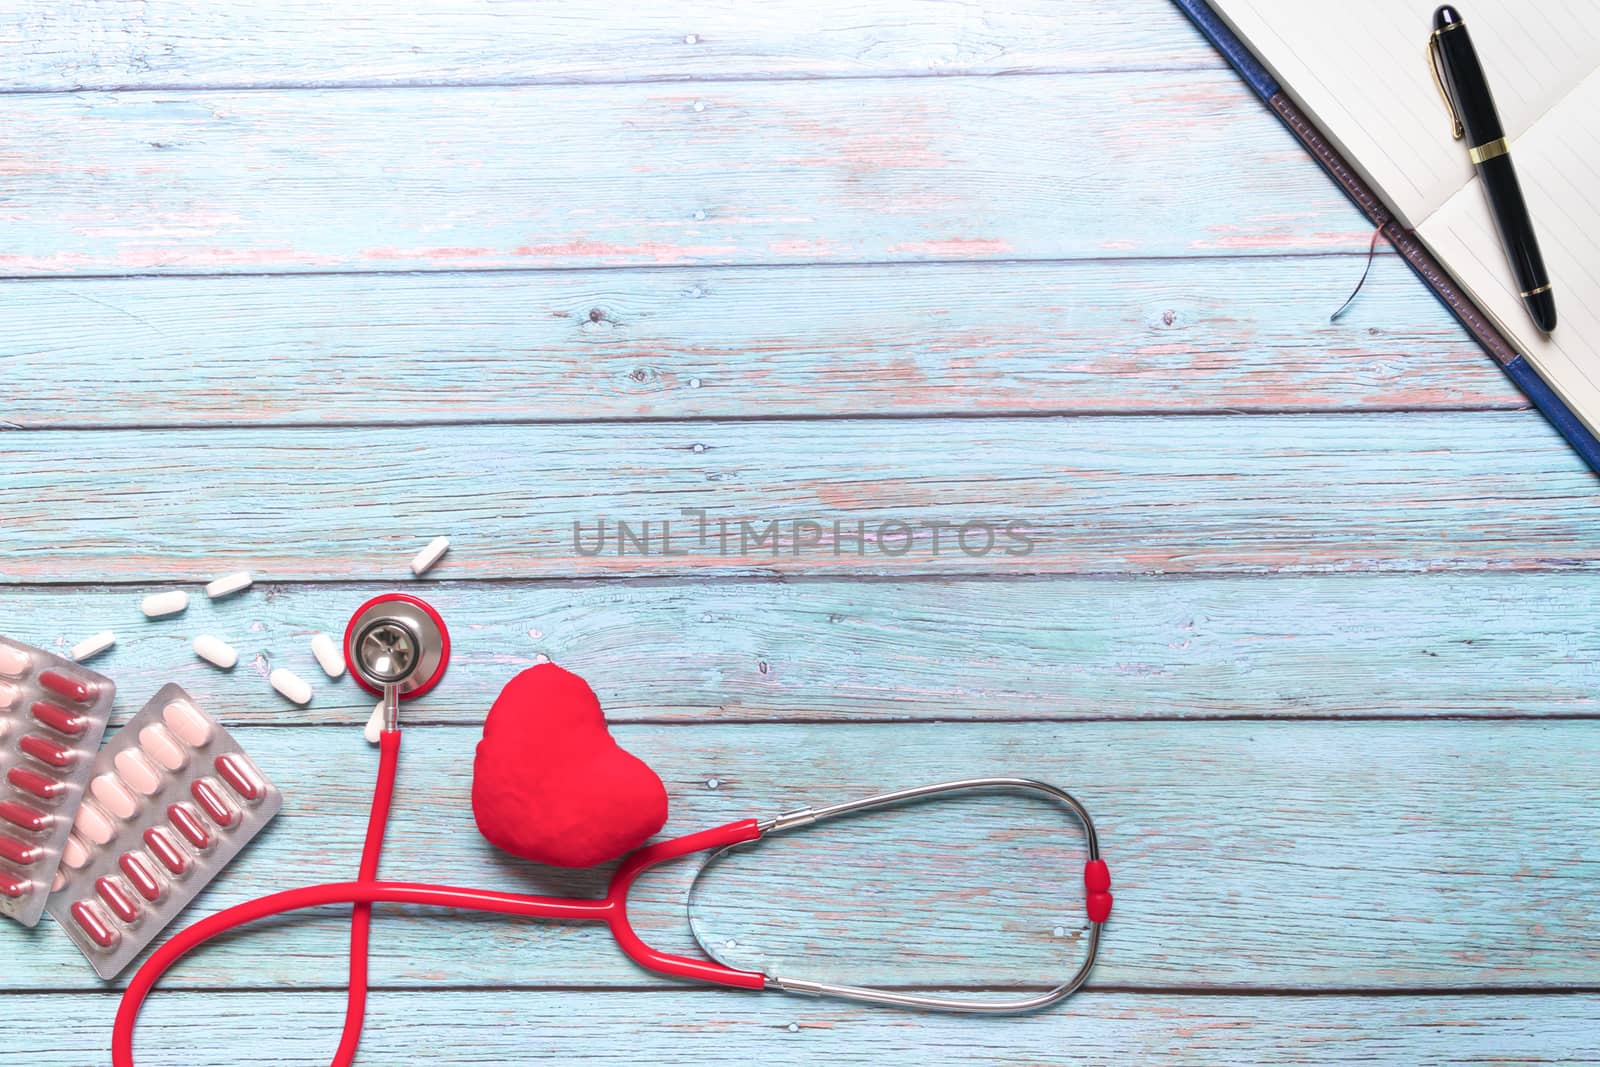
[992, 338]
[1248, 494]
[1255, 855]
[472, 1028]
[944, 169]
[77, 44]
[751, 651]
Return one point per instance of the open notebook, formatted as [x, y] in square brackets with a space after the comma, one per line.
[1359, 70]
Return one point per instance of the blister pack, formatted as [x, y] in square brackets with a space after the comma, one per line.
[172, 799]
[52, 715]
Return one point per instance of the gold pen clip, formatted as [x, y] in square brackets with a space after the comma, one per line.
[1433, 64]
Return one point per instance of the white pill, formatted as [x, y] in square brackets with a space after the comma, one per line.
[430, 555]
[228, 585]
[328, 654]
[93, 646]
[291, 685]
[13, 661]
[375, 724]
[215, 651]
[157, 605]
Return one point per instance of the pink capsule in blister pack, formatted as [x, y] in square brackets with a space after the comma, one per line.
[52, 715]
[171, 800]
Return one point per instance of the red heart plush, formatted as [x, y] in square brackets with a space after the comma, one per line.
[550, 784]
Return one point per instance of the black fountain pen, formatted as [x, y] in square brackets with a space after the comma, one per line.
[1460, 79]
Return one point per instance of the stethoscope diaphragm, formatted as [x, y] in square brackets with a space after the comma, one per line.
[397, 639]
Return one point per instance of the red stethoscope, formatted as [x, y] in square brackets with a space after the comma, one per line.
[398, 646]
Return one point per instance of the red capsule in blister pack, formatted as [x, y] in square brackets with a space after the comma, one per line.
[172, 798]
[53, 713]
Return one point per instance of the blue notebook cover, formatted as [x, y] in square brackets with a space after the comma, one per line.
[1516, 367]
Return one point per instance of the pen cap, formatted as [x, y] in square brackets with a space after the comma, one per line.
[1464, 78]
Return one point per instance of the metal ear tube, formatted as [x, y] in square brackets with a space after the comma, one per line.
[1096, 888]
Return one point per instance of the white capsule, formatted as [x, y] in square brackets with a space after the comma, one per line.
[328, 654]
[93, 646]
[157, 605]
[215, 651]
[374, 728]
[228, 585]
[291, 685]
[430, 555]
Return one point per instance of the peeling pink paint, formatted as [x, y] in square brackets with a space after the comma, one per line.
[59, 261]
[959, 247]
[445, 252]
[145, 258]
[654, 251]
[804, 247]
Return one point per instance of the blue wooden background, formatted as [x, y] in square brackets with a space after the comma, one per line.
[1308, 621]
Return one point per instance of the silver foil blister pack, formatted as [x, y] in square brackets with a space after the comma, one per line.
[171, 800]
[52, 716]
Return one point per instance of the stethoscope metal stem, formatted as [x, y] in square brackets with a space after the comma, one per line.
[391, 706]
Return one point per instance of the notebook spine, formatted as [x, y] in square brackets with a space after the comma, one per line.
[1209, 23]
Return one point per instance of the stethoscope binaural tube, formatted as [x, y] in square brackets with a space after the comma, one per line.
[1096, 880]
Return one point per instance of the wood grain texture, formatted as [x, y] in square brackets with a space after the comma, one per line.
[1100, 495]
[681, 267]
[77, 44]
[1020, 648]
[691, 1029]
[1246, 855]
[943, 169]
[1245, 334]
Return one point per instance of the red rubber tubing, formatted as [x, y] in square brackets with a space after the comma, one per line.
[611, 909]
[355, 1011]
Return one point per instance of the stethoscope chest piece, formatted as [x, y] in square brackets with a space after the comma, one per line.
[397, 640]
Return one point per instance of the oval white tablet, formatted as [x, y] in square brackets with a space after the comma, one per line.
[328, 654]
[93, 646]
[374, 728]
[159, 744]
[291, 685]
[114, 796]
[75, 854]
[185, 720]
[228, 585]
[13, 661]
[134, 769]
[430, 555]
[93, 824]
[157, 605]
[215, 651]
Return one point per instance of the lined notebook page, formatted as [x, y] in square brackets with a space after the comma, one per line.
[1359, 68]
[1558, 165]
